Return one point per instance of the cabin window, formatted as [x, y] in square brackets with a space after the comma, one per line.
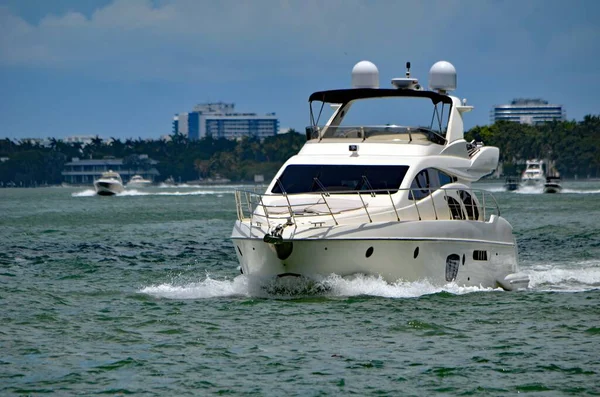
[427, 181]
[304, 178]
[470, 205]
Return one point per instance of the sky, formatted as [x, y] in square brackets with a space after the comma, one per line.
[123, 68]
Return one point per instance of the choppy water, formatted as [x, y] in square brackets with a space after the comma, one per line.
[140, 294]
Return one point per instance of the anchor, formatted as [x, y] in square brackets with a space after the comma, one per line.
[283, 249]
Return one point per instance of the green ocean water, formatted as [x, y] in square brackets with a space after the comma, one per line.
[141, 294]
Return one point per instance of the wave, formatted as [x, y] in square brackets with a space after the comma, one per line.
[85, 193]
[574, 191]
[530, 190]
[332, 286]
[185, 185]
[577, 277]
[176, 193]
[134, 192]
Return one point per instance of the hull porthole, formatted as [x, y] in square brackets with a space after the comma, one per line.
[416, 253]
[369, 252]
[452, 264]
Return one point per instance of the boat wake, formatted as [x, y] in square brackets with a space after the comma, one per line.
[530, 190]
[298, 287]
[583, 276]
[574, 191]
[85, 193]
[578, 277]
[134, 192]
[217, 193]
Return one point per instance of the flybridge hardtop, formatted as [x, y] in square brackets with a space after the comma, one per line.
[390, 198]
[344, 96]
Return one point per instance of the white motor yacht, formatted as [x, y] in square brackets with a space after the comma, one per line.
[534, 174]
[138, 181]
[109, 184]
[387, 199]
[552, 184]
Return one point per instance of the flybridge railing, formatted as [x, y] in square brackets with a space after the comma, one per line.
[400, 133]
[423, 204]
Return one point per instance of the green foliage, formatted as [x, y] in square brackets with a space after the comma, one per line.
[573, 146]
[184, 160]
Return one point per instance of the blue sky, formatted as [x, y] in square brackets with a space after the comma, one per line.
[123, 68]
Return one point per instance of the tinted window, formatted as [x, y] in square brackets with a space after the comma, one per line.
[445, 178]
[340, 178]
[426, 181]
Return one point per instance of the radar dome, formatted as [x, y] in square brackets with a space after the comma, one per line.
[442, 76]
[365, 75]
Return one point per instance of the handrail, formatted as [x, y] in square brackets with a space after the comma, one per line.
[297, 206]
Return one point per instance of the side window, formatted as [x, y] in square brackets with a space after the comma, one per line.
[420, 186]
[427, 181]
[470, 205]
[445, 178]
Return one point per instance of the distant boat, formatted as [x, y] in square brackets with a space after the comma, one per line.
[533, 174]
[552, 184]
[109, 184]
[511, 183]
[138, 181]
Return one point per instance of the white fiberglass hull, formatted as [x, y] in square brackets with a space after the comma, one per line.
[108, 188]
[533, 182]
[467, 253]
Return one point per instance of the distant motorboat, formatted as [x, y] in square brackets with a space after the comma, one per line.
[534, 174]
[511, 183]
[109, 184]
[552, 185]
[138, 181]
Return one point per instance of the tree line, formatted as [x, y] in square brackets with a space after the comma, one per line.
[27, 163]
[574, 148]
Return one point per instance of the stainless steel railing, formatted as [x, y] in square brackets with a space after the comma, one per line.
[454, 203]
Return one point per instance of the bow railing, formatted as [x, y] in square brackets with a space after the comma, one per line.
[346, 207]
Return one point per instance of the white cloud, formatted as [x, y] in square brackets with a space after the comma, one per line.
[188, 39]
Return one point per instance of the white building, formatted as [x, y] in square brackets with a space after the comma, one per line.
[528, 111]
[220, 120]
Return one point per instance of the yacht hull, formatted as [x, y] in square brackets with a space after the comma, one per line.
[108, 188]
[467, 253]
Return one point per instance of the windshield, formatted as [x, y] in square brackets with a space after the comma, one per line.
[391, 112]
[339, 178]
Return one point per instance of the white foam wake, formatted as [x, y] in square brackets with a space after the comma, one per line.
[134, 192]
[176, 193]
[580, 276]
[332, 286]
[574, 191]
[530, 190]
[85, 193]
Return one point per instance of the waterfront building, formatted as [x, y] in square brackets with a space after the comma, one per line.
[84, 172]
[528, 111]
[83, 139]
[220, 120]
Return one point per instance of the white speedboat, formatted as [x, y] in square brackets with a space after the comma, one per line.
[388, 200]
[552, 184]
[109, 184]
[534, 174]
[512, 183]
[137, 181]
